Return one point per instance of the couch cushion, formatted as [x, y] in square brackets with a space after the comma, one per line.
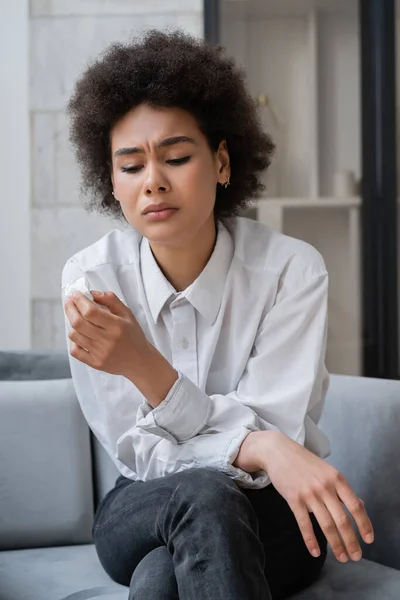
[46, 492]
[363, 580]
[34, 364]
[69, 572]
[74, 573]
[362, 421]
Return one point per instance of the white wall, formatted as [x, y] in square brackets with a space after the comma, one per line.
[15, 265]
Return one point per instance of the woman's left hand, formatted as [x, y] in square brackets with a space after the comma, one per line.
[108, 341]
[311, 485]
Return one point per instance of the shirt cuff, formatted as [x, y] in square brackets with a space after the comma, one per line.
[182, 414]
[222, 451]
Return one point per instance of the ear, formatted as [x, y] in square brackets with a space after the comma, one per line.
[223, 162]
[112, 183]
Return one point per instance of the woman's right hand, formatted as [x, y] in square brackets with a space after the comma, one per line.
[309, 485]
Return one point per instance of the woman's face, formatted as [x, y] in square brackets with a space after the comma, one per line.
[164, 173]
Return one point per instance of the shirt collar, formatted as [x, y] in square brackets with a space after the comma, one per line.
[157, 288]
[205, 293]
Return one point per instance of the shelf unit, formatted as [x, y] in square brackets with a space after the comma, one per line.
[304, 56]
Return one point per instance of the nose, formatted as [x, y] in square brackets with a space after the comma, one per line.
[155, 181]
[152, 190]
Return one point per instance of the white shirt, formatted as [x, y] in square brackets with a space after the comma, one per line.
[248, 340]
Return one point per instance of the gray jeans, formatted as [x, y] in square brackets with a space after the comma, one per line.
[196, 535]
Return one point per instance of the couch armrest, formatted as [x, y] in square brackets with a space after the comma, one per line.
[362, 420]
[46, 495]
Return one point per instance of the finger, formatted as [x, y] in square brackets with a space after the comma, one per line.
[80, 340]
[306, 528]
[356, 508]
[88, 357]
[80, 354]
[112, 302]
[329, 529]
[344, 526]
[90, 311]
[79, 322]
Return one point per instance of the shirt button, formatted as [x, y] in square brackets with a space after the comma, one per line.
[184, 343]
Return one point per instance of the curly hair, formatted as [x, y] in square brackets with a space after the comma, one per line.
[170, 69]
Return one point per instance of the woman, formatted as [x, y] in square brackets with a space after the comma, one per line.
[201, 367]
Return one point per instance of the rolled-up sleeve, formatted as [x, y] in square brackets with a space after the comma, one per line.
[183, 413]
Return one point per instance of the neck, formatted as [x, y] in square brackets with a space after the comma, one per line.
[183, 263]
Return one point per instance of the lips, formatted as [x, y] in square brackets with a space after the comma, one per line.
[154, 208]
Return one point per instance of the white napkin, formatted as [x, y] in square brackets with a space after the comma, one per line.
[79, 285]
[82, 285]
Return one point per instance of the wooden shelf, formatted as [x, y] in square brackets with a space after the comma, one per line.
[287, 8]
[310, 203]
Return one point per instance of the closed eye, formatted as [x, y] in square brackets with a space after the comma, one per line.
[178, 161]
[172, 161]
[131, 169]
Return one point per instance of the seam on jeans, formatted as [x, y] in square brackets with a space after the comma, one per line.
[129, 507]
[187, 542]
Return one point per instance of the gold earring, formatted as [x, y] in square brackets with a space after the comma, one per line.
[227, 183]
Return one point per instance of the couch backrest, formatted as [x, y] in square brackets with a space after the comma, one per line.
[46, 493]
[32, 365]
[362, 420]
[46, 450]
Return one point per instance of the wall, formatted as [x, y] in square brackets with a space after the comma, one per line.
[15, 305]
[64, 35]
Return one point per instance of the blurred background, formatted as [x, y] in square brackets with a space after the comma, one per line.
[324, 75]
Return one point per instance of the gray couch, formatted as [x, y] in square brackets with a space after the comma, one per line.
[52, 475]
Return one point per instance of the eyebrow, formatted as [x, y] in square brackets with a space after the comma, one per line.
[171, 141]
